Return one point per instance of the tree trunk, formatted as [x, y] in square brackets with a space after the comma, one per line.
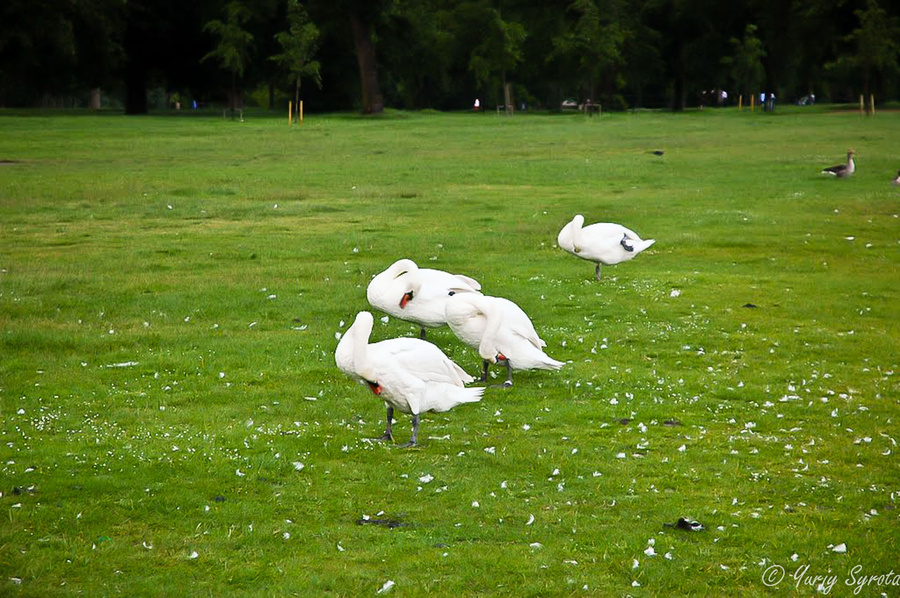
[373, 101]
[233, 92]
[678, 95]
[136, 91]
[94, 102]
[867, 92]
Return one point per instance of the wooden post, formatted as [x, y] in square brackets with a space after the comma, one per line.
[741, 103]
[301, 113]
[862, 104]
[752, 102]
[872, 104]
[290, 112]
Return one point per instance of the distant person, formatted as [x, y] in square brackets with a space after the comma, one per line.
[477, 105]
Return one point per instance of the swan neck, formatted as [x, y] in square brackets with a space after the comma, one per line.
[576, 232]
[492, 328]
[361, 331]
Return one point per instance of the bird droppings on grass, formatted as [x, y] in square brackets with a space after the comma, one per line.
[386, 522]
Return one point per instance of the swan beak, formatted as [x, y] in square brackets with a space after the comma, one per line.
[406, 298]
[375, 386]
[501, 357]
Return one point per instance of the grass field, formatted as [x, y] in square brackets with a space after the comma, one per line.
[173, 423]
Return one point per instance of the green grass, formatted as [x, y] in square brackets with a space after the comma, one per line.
[171, 287]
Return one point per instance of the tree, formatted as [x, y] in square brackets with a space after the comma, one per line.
[497, 46]
[363, 39]
[592, 44]
[300, 44]
[746, 62]
[643, 66]
[233, 51]
[875, 41]
[55, 49]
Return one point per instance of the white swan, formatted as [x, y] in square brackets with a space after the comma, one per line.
[603, 243]
[500, 331]
[415, 294]
[408, 374]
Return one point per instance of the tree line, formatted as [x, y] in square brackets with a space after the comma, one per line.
[441, 54]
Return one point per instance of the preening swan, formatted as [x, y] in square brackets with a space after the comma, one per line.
[408, 374]
[415, 294]
[500, 331]
[603, 243]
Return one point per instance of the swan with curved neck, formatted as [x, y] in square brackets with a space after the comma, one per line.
[415, 294]
[603, 243]
[501, 333]
[410, 375]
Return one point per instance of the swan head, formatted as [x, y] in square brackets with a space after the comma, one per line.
[492, 356]
[406, 272]
[402, 267]
[577, 225]
[406, 298]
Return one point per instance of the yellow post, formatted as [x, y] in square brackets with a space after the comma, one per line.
[872, 104]
[752, 102]
[301, 113]
[741, 103]
[290, 112]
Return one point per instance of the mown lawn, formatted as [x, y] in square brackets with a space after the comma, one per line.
[172, 421]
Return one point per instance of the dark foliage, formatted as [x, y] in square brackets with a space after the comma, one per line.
[148, 54]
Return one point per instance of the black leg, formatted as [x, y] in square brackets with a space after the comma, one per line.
[508, 382]
[414, 441]
[387, 428]
[597, 271]
[422, 333]
[484, 372]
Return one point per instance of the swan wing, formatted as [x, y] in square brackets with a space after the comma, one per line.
[422, 360]
[517, 323]
[406, 390]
